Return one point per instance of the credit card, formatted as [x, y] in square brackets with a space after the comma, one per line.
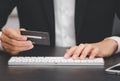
[37, 37]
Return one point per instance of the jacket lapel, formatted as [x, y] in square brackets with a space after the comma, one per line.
[49, 9]
[80, 13]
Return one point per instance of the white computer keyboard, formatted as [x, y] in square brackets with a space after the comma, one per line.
[30, 61]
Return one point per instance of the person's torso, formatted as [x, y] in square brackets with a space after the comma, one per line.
[93, 18]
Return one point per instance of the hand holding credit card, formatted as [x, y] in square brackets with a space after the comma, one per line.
[37, 37]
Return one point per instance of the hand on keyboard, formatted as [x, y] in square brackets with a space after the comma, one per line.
[104, 48]
[27, 61]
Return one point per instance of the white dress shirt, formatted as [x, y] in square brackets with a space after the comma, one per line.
[65, 26]
[64, 22]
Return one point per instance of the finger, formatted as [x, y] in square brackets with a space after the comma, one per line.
[13, 34]
[13, 49]
[67, 50]
[8, 47]
[86, 51]
[94, 53]
[23, 48]
[78, 51]
[13, 42]
[70, 52]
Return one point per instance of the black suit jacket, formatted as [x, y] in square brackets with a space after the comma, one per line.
[93, 18]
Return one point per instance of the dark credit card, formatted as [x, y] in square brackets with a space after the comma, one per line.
[37, 37]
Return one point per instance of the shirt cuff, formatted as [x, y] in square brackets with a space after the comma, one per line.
[117, 39]
[0, 42]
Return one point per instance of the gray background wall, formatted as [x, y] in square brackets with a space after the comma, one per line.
[116, 26]
[14, 22]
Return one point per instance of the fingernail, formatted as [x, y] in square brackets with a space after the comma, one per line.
[31, 46]
[91, 58]
[66, 56]
[82, 58]
[75, 57]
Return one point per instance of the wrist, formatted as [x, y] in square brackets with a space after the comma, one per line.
[113, 43]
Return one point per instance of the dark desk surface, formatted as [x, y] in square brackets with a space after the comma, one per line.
[55, 73]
